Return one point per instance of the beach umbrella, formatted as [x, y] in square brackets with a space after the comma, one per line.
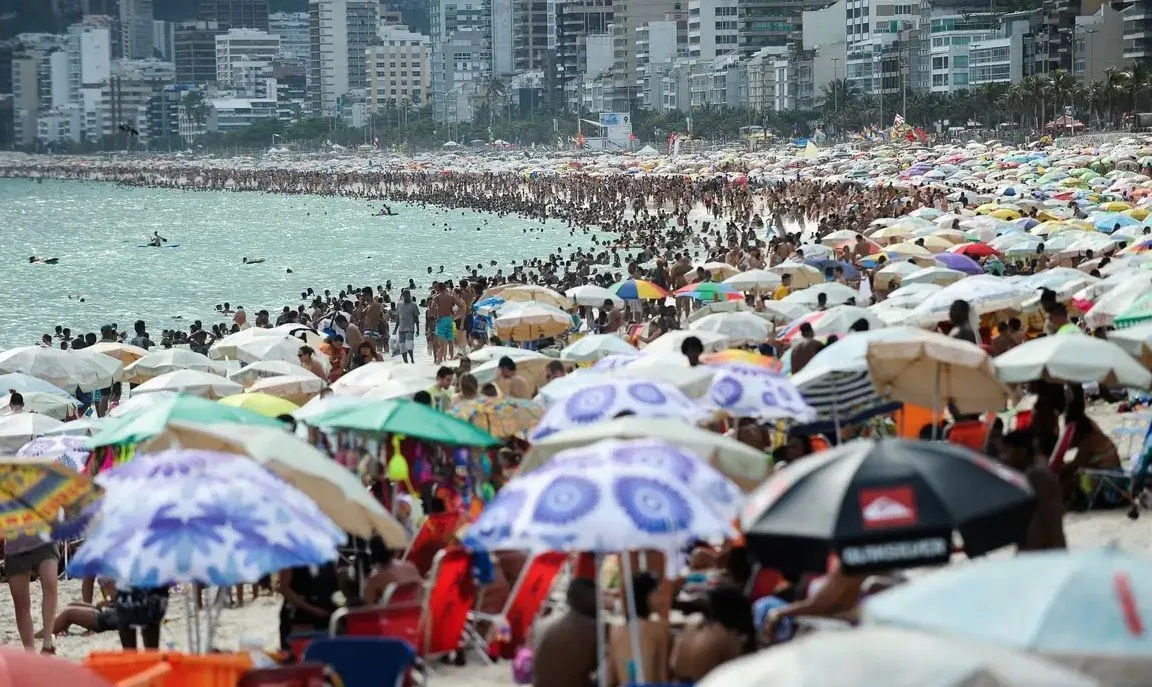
[974, 250]
[1071, 358]
[593, 347]
[402, 416]
[295, 388]
[1083, 609]
[26, 384]
[893, 658]
[18, 429]
[148, 421]
[532, 322]
[802, 275]
[889, 273]
[207, 517]
[365, 379]
[250, 374]
[168, 360]
[960, 262]
[741, 357]
[932, 370]
[835, 320]
[706, 309]
[501, 417]
[337, 491]
[22, 668]
[539, 294]
[190, 382]
[490, 353]
[83, 426]
[837, 237]
[53, 405]
[837, 294]
[665, 367]
[1136, 341]
[670, 342]
[280, 347]
[33, 493]
[984, 293]
[64, 369]
[885, 504]
[753, 391]
[321, 407]
[779, 312]
[1126, 291]
[638, 289]
[752, 280]
[69, 451]
[906, 249]
[1139, 311]
[264, 404]
[593, 296]
[709, 292]
[620, 504]
[605, 398]
[840, 395]
[241, 345]
[741, 463]
[125, 353]
[740, 327]
[934, 275]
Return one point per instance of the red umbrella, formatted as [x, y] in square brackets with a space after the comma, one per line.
[974, 250]
[19, 668]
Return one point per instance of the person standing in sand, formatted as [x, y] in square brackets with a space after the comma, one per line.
[564, 654]
[442, 306]
[23, 555]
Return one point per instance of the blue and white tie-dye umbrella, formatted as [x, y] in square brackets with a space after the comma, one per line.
[69, 451]
[609, 497]
[687, 468]
[757, 392]
[200, 516]
[606, 399]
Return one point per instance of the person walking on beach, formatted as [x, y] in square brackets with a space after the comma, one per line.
[407, 326]
[23, 555]
[443, 305]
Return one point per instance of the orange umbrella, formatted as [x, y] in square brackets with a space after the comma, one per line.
[19, 668]
[735, 355]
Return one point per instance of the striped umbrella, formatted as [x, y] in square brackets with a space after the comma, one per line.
[637, 289]
[709, 291]
[840, 398]
[1140, 311]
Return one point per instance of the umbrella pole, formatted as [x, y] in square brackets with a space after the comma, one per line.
[836, 420]
[189, 616]
[936, 404]
[633, 627]
[601, 627]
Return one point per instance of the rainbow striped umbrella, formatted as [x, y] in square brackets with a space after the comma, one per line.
[710, 291]
[638, 289]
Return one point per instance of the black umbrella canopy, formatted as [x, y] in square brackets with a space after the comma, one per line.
[886, 504]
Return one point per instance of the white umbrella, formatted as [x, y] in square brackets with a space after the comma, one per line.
[125, 353]
[911, 295]
[933, 275]
[281, 347]
[984, 293]
[241, 345]
[1135, 341]
[539, 294]
[669, 368]
[718, 270]
[20, 428]
[1121, 297]
[322, 405]
[751, 280]
[892, 658]
[167, 360]
[18, 381]
[740, 327]
[250, 374]
[138, 401]
[83, 426]
[780, 312]
[593, 347]
[896, 270]
[488, 353]
[592, 295]
[930, 370]
[297, 388]
[192, 382]
[364, 379]
[65, 369]
[671, 342]
[52, 405]
[1071, 358]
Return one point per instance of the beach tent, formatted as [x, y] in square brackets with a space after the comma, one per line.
[647, 151]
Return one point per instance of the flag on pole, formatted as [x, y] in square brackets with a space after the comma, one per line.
[898, 120]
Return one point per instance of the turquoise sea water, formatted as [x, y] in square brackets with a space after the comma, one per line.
[95, 228]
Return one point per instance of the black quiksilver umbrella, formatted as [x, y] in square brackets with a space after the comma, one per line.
[887, 504]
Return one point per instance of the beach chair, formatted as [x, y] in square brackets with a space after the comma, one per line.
[451, 597]
[523, 605]
[364, 661]
[1107, 485]
[300, 675]
[298, 642]
[397, 616]
[968, 433]
[432, 537]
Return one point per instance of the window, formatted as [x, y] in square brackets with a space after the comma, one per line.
[959, 78]
[939, 79]
[960, 61]
[940, 62]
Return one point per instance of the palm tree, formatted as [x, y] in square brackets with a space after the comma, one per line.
[1115, 81]
[994, 97]
[1138, 78]
[839, 95]
[495, 90]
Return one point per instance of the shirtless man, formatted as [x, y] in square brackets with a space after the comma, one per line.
[517, 386]
[565, 647]
[440, 308]
[372, 317]
[807, 347]
[726, 632]
[1046, 531]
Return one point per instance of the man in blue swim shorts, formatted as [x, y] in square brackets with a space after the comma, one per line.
[443, 305]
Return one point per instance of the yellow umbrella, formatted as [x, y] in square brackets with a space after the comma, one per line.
[987, 209]
[500, 417]
[1006, 214]
[1048, 227]
[1137, 213]
[264, 404]
[1081, 223]
[1114, 206]
[909, 250]
[950, 235]
[935, 244]
[888, 233]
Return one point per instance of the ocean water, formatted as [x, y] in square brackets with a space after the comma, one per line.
[95, 230]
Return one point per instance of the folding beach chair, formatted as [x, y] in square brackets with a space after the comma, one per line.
[397, 615]
[1132, 438]
[432, 537]
[524, 603]
[364, 661]
[968, 433]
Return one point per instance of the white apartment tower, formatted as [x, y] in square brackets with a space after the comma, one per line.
[339, 34]
[243, 56]
[136, 29]
[399, 73]
[712, 28]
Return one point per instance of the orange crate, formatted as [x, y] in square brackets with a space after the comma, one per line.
[214, 670]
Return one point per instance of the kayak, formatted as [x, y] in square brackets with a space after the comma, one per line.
[174, 245]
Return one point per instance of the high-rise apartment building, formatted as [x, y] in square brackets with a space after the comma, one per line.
[463, 53]
[194, 45]
[236, 14]
[1137, 16]
[340, 33]
[627, 17]
[243, 57]
[292, 28]
[576, 23]
[136, 29]
[530, 36]
[713, 28]
[399, 70]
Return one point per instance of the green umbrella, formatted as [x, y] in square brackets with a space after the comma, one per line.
[1140, 311]
[401, 416]
[151, 420]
